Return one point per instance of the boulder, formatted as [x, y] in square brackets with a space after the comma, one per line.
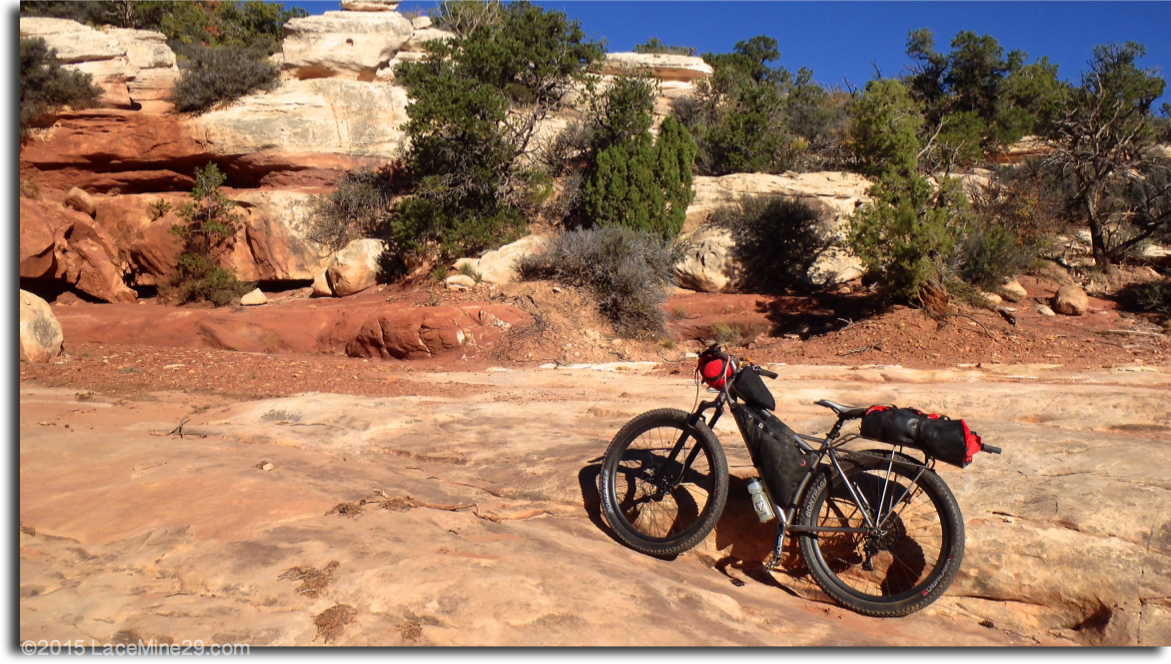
[499, 265]
[708, 266]
[40, 333]
[422, 36]
[72, 41]
[273, 243]
[322, 116]
[1070, 300]
[370, 5]
[253, 298]
[834, 265]
[61, 243]
[350, 45]
[1045, 311]
[356, 267]
[321, 286]
[986, 300]
[82, 48]
[459, 282]
[80, 201]
[1012, 291]
[433, 332]
[660, 65]
[420, 22]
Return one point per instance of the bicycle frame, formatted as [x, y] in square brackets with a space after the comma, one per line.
[827, 448]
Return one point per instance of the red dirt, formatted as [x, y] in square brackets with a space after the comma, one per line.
[132, 348]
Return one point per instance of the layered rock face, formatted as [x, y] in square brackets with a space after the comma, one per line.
[328, 115]
[136, 68]
[336, 111]
[351, 45]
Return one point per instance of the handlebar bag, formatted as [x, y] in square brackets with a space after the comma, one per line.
[748, 386]
[775, 453]
[945, 439]
[715, 367]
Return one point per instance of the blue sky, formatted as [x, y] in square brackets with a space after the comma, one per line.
[840, 40]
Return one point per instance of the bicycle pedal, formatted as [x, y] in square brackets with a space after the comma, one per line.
[772, 562]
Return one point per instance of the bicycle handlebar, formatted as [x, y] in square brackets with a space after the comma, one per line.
[765, 372]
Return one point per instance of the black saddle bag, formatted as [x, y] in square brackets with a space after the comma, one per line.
[775, 453]
[945, 439]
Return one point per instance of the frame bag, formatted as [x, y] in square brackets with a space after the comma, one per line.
[775, 453]
[939, 436]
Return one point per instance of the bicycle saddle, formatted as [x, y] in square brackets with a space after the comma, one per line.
[844, 412]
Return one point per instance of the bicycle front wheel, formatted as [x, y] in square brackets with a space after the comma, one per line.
[664, 483]
[910, 546]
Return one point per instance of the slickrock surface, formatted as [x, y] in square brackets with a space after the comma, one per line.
[481, 522]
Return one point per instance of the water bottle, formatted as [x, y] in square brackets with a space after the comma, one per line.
[760, 501]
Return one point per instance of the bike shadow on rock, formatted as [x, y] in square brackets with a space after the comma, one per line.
[738, 542]
[591, 500]
[741, 542]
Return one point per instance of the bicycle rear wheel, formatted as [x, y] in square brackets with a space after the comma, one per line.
[912, 547]
[656, 502]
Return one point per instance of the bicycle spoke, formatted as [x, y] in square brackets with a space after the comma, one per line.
[661, 511]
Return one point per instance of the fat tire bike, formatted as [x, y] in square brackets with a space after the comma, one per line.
[879, 530]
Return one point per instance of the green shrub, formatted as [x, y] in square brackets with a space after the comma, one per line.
[727, 334]
[906, 235]
[777, 240]
[214, 75]
[983, 97]
[473, 104]
[158, 209]
[46, 86]
[737, 116]
[988, 254]
[1152, 297]
[884, 129]
[753, 117]
[467, 270]
[644, 184]
[207, 232]
[359, 208]
[627, 270]
[653, 45]
[439, 272]
[251, 23]
[198, 279]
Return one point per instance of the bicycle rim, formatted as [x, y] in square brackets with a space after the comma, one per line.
[906, 559]
[659, 512]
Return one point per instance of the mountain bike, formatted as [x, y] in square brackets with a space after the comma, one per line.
[879, 530]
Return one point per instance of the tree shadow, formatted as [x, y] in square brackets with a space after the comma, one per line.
[820, 314]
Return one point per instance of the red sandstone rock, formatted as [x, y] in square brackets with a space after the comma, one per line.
[428, 332]
[57, 242]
